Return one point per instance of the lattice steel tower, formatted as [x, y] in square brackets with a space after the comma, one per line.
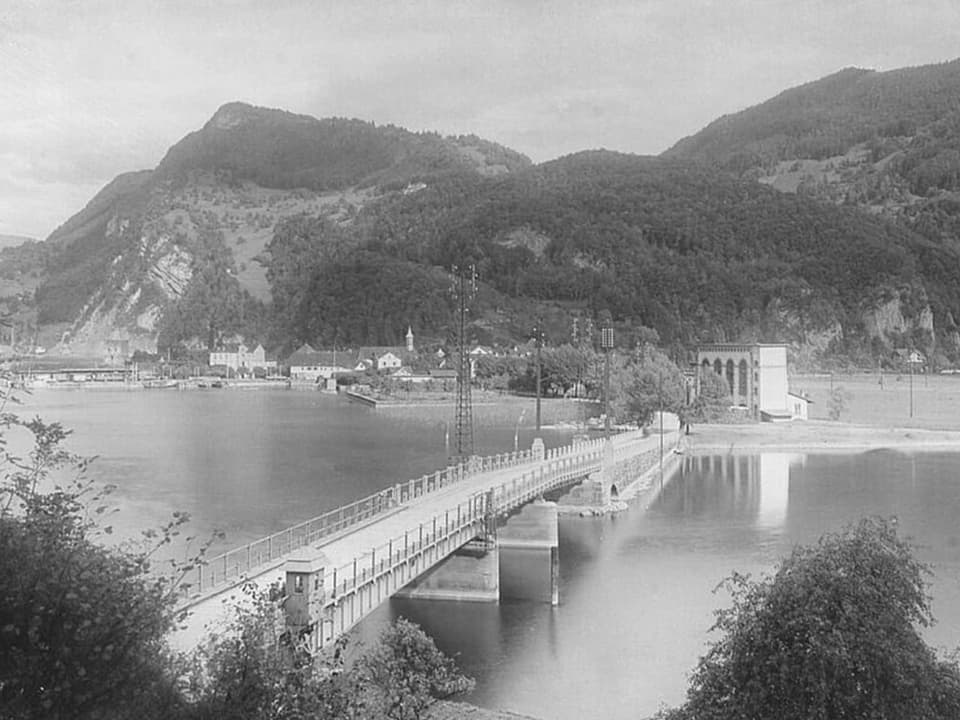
[464, 291]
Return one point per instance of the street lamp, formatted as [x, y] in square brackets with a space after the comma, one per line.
[516, 432]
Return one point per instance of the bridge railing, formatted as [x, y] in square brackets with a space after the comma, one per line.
[229, 567]
[373, 564]
[419, 543]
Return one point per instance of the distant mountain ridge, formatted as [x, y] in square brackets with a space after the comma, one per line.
[826, 117]
[116, 267]
[886, 143]
[279, 149]
[13, 240]
[291, 229]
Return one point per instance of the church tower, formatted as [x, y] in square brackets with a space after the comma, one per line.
[409, 339]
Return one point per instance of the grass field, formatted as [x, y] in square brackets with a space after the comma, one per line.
[936, 399]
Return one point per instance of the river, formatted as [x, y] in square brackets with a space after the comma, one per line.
[636, 590]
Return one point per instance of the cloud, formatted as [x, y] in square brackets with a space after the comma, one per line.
[91, 89]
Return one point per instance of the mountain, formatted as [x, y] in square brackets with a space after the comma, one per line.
[827, 117]
[683, 248]
[886, 143]
[152, 240]
[338, 232]
[13, 240]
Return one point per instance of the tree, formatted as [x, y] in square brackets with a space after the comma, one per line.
[652, 383]
[837, 402]
[405, 672]
[82, 626]
[832, 634]
[712, 400]
[255, 669]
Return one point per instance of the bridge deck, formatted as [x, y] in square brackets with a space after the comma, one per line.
[369, 561]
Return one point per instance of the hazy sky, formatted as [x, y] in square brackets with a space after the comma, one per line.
[93, 88]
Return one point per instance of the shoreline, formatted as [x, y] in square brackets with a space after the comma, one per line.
[817, 436]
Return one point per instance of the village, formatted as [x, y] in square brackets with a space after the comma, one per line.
[754, 376]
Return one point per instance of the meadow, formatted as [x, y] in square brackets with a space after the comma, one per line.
[936, 399]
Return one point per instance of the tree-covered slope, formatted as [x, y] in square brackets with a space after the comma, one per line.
[826, 117]
[692, 252]
[278, 149]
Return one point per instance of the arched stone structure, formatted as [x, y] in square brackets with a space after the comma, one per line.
[755, 373]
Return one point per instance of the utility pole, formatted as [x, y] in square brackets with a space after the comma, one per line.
[464, 289]
[660, 403]
[539, 341]
[606, 343]
[910, 362]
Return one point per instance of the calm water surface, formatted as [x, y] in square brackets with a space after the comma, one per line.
[635, 590]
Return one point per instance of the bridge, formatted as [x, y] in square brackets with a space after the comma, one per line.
[442, 535]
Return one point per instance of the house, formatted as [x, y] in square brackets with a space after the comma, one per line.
[383, 358]
[237, 355]
[309, 364]
[798, 405]
[408, 376]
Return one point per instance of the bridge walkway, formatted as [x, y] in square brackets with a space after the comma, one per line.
[366, 563]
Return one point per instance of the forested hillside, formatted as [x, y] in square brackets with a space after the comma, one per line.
[887, 143]
[291, 229]
[689, 251]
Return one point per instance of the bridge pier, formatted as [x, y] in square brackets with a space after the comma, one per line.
[529, 554]
[471, 573]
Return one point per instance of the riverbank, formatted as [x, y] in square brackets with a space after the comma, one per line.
[818, 436]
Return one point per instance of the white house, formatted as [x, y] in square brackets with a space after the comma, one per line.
[309, 364]
[238, 355]
[798, 405]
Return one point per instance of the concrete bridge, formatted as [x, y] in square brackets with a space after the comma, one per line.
[440, 536]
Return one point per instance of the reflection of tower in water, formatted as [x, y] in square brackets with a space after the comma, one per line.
[748, 487]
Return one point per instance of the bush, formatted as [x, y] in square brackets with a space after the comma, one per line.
[833, 634]
[82, 626]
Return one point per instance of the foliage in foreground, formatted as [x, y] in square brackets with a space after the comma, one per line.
[255, 670]
[83, 625]
[833, 634]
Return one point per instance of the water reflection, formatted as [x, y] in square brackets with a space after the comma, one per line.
[637, 591]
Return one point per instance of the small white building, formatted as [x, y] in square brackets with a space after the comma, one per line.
[798, 405]
[309, 364]
[237, 355]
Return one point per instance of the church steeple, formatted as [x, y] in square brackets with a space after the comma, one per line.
[409, 339]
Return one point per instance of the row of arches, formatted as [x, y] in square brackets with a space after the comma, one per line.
[737, 375]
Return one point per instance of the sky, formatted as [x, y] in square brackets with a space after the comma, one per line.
[94, 88]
